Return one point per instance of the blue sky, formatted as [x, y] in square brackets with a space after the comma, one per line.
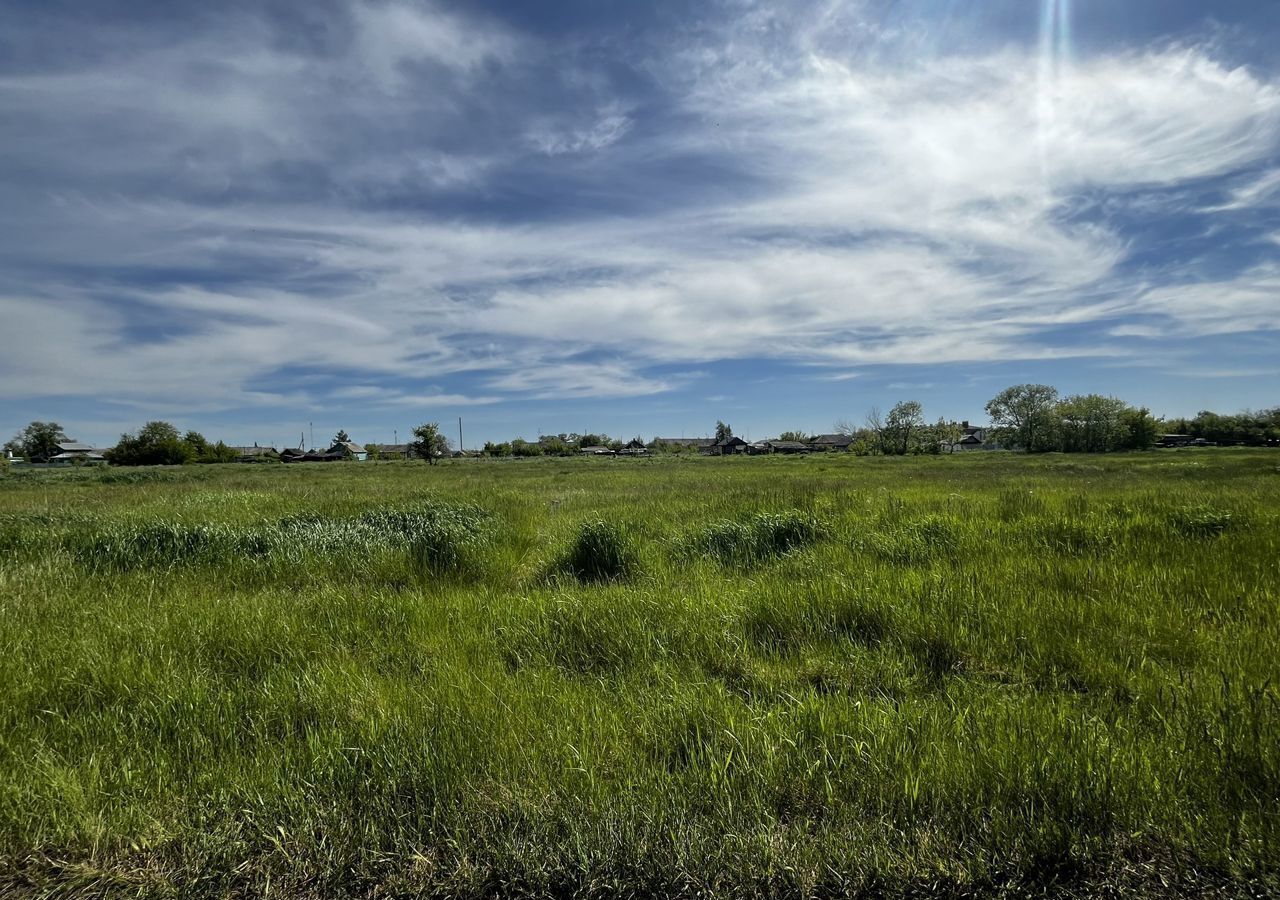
[637, 218]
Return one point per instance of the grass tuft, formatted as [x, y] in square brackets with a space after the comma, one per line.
[600, 551]
[756, 539]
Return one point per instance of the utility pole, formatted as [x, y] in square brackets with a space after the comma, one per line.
[460, 447]
[312, 426]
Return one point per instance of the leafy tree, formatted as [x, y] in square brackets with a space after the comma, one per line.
[723, 431]
[1139, 429]
[199, 445]
[555, 446]
[1090, 423]
[1248, 427]
[341, 437]
[204, 452]
[904, 420]
[156, 444]
[521, 447]
[1025, 412]
[218, 453]
[794, 436]
[943, 436]
[372, 451]
[38, 442]
[492, 449]
[430, 444]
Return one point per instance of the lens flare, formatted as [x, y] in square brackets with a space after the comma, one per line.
[1055, 59]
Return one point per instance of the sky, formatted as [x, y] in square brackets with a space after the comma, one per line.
[266, 219]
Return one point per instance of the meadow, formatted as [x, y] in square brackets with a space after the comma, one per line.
[943, 676]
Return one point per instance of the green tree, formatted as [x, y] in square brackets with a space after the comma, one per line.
[794, 436]
[1139, 429]
[156, 444]
[943, 436]
[723, 431]
[38, 442]
[430, 444]
[199, 445]
[341, 437]
[219, 453]
[521, 447]
[903, 422]
[1090, 423]
[1025, 414]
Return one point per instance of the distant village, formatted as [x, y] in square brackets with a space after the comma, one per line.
[1028, 417]
[74, 453]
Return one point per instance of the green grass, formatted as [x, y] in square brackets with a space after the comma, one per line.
[763, 677]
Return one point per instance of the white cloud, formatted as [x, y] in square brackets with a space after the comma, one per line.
[608, 126]
[889, 214]
[1260, 190]
[392, 35]
[557, 380]
[1249, 302]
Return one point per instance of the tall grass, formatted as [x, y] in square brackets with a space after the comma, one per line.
[779, 677]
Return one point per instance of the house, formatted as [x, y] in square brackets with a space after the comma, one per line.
[393, 451]
[682, 443]
[787, 446]
[823, 442]
[760, 448]
[255, 453]
[730, 446]
[634, 447]
[596, 451]
[71, 453]
[340, 451]
[974, 437]
[348, 450]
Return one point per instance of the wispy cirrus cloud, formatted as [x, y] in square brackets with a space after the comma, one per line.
[413, 188]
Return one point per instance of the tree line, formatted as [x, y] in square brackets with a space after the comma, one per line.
[1032, 418]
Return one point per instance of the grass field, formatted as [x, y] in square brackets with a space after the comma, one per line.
[784, 677]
